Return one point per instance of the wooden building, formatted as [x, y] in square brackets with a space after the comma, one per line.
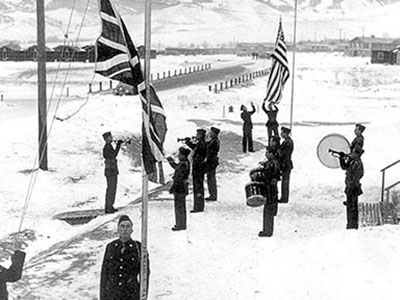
[391, 57]
[363, 46]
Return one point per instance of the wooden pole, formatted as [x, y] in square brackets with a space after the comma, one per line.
[42, 102]
[145, 183]
[294, 59]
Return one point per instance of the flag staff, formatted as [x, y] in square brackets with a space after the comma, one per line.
[42, 102]
[145, 183]
[294, 59]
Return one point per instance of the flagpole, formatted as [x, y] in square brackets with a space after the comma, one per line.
[145, 183]
[294, 59]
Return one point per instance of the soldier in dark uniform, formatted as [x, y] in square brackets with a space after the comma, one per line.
[271, 175]
[359, 139]
[14, 272]
[110, 171]
[272, 123]
[199, 148]
[180, 187]
[211, 163]
[247, 141]
[285, 159]
[120, 272]
[354, 172]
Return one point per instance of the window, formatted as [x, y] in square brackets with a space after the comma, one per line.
[380, 56]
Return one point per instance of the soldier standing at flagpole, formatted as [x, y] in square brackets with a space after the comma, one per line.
[120, 270]
[110, 170]
[247, 141]
[14, 272]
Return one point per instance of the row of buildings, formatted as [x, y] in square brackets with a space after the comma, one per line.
[381, 50]
[13, 52]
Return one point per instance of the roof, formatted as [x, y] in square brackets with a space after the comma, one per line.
[375, 40]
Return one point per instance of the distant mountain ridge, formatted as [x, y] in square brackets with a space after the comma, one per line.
[206, 22]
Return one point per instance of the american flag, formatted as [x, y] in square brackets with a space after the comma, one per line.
[118, 59]
[279, 70]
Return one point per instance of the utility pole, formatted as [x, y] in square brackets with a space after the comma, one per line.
[42, 102]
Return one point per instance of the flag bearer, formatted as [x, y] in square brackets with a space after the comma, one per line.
[180, 187]
[14, 272]
[272, 124]
[199, 148]
[247, 141]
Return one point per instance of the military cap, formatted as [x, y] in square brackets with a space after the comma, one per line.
[275, 138]
[184, 151]
[285, 129]
[106, 134]
[202, 131]
[123, 218]
[215, 130]
[242, 107]
[360, 126]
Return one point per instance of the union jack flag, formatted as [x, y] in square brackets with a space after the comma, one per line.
[279, 71]
[118, 59]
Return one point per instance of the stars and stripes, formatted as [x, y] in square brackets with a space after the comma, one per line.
[118, 59]
[279, 71]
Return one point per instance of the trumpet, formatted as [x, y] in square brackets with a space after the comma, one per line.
[337, 153]
[193, 139]
[126, 142]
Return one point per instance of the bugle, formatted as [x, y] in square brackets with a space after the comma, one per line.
[337, 153]
[193, 138]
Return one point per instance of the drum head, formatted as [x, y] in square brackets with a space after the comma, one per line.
[335, 142]
[255, 200]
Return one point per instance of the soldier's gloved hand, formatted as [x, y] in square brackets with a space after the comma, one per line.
[341, 154]
[120, 142]
[187, 139]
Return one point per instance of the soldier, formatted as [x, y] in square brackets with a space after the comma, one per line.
[272, 175]
[285, 159]
[120, 272]
[180, 187]
[354, 172]
[199, 154]
[272, 124]
[110, 171]
[247, 141]
[359, 139]
[211, 163]
[14, 272]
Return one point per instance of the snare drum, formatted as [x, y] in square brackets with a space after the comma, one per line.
[257, 174]
[255, 194]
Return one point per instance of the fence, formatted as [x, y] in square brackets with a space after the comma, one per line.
[378, 213]
[165, 75]
[218, 87]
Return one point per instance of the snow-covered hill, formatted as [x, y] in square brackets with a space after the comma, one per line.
[217, 22]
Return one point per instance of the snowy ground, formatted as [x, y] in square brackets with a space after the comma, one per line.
[220, 256]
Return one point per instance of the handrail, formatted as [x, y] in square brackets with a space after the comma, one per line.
[383, 181]
[392, 186]
[391, 165]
